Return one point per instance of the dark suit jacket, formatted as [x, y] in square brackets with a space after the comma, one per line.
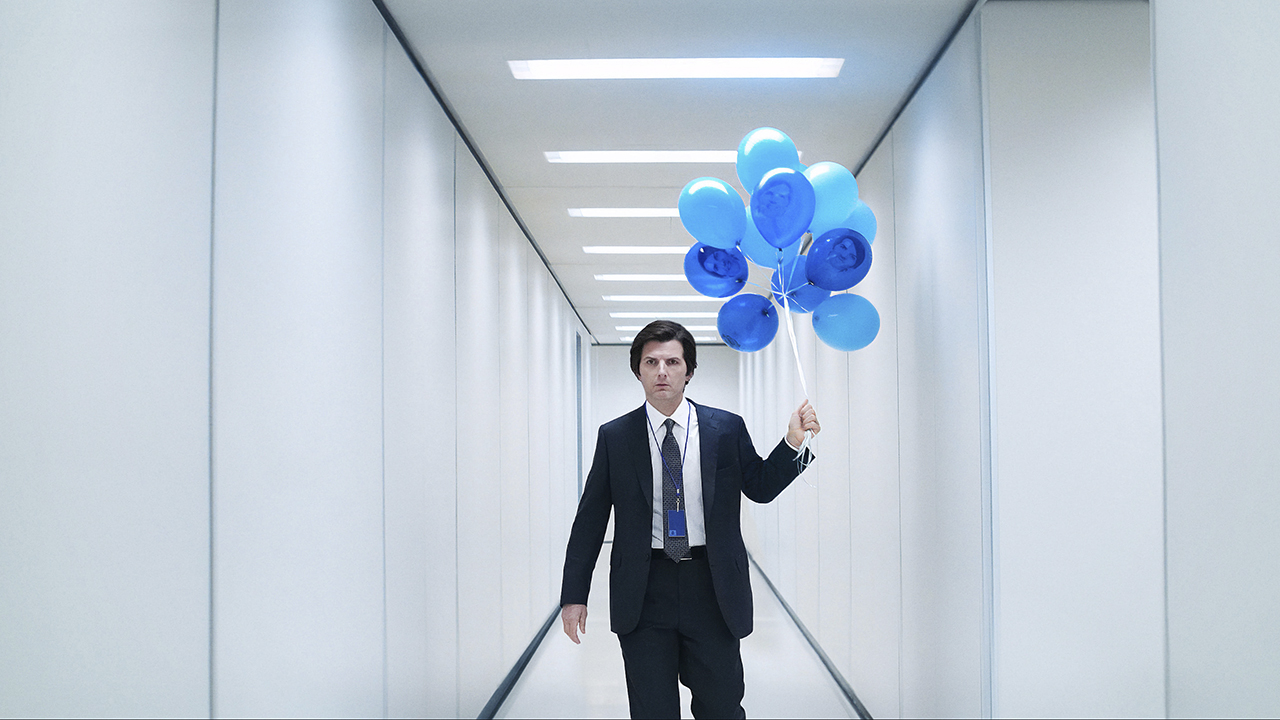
[621, 478]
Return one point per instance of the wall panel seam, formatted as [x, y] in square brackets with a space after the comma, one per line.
[213, 195]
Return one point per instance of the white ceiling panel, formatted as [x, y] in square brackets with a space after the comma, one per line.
[465, 46]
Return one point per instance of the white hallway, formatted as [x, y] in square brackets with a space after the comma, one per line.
[293, 416]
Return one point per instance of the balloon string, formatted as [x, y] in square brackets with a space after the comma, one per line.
[795, 352]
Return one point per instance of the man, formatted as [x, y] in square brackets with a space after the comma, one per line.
[673, 474]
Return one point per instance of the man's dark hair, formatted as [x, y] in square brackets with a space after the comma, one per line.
[662, 331]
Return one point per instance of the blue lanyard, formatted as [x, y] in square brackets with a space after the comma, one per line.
[684, 454]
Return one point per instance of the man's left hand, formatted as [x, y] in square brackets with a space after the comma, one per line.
[804, 418]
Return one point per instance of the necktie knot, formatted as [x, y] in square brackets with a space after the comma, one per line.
[670, 425]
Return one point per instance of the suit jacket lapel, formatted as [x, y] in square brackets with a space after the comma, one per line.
[639, 438]
[709, 442]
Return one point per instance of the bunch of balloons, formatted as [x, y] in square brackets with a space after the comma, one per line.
[787, 201]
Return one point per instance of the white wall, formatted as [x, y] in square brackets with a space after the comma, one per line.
[872, 474]
[1075, 360]
[1217, 107]
[297, 351]
[419, 375]
[378, 324]
[941, 262]
[105, 145]
[986, 538]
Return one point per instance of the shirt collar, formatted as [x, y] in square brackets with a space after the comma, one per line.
[682, 414]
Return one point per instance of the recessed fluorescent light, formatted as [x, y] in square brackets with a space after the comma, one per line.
[690, 328]
[659, 298]
[696, 338]
[675, 277]
[672, 68]
[624, 212]
[643, 156]
[635, 249]
[633, 315]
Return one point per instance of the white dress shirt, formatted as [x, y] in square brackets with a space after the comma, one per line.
[686, 418]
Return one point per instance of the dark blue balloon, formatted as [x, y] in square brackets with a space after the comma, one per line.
[846, 322]
[748, 322]
[715, 271]
[782, 206]
[838, 260]
[802, 295]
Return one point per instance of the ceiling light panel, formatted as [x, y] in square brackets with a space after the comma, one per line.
[659, 298]
[642, 156]
[684, 315]
[675, 68]
[624, 212]
[635, 249]
[690, 328]
[618, 277]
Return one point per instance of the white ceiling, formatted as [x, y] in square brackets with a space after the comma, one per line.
[465, 46]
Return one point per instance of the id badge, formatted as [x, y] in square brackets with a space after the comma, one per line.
[675, 523]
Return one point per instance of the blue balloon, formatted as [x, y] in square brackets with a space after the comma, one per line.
[759, 251]
[846, 322]
[762, 150]
[748, 322]
[835, 192]
[838, 260]
[714, 271]
[863, 220]
[782, 206]
[711, 211]
[802, 296]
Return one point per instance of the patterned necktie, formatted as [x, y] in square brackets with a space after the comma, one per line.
[675, 547]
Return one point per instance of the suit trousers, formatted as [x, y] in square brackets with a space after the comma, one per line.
[682, 637]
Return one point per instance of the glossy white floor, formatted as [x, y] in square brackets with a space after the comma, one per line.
[784, 677]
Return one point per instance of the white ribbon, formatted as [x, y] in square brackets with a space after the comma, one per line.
[795, 349]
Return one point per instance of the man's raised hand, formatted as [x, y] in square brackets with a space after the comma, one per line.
[804, 418]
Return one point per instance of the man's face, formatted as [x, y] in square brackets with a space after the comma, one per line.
[663, 372]
[844, 255]
[774, 200]
[719, 263]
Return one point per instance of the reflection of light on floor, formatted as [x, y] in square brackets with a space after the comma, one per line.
[784, 676]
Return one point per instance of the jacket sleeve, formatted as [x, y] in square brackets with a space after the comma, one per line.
[764, 479]
[588, 530]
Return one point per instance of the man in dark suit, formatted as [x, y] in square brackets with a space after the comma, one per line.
[673, 475]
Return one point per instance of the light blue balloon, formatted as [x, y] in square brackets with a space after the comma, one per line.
[846, 322]
[715, 272]
[748, 322]
[762, 150]
[759, 251]
[711, 211]
[863, 220]
[802, 296]
[835, 192]
[782, 206]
